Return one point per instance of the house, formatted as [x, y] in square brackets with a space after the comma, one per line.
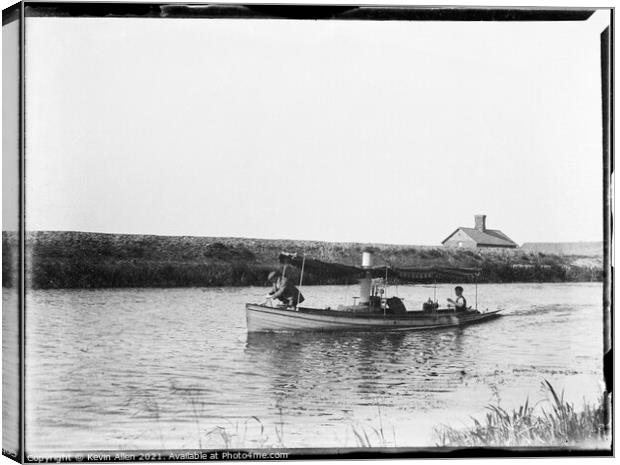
[479, 237]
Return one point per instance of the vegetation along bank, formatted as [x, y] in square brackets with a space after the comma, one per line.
[57, 260]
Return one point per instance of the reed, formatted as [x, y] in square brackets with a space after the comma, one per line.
[557, 423]
[367, 435]
[554, 422]
[250, 432]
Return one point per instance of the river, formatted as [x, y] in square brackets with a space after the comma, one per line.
[175, 368]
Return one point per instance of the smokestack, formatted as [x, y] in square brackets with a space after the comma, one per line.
[481, 222]
[367, 258]
[365, 283]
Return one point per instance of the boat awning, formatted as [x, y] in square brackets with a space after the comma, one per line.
[402, 274]
[320, 268]
[434, 273]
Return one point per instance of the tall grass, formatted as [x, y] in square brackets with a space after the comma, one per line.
[556, 424]
[553, 422]
[367, 435]
[237, 436]
[248, 432]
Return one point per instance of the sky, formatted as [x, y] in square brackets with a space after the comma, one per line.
[391, 132]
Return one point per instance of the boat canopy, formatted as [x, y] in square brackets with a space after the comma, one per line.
[402, 274]
[318, 267]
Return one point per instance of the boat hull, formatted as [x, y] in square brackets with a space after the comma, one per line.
[262, 318]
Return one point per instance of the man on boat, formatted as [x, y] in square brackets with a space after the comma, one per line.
[284, 290]
[460, 304]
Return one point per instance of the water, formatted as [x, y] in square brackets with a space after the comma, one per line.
[175, 368]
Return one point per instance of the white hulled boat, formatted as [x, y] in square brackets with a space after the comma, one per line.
[374, 311]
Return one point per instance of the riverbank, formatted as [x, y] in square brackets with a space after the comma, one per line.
[59, 259]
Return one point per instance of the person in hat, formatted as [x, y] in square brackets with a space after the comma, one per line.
[284, 290]
[460, 304]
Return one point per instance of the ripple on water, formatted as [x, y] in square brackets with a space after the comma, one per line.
[141, 368]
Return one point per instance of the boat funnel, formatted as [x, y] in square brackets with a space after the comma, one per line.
[366, 282]
[367, 258]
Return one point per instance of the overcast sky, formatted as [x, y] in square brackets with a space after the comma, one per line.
[394, 132]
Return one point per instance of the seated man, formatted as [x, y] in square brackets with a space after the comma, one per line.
[284, 290]
[460, 304]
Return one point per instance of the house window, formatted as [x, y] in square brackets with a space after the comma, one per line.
[460, 244]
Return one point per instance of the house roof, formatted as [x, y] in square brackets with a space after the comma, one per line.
[490, 237]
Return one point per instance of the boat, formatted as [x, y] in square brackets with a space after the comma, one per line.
[263, 318]
[372, 310]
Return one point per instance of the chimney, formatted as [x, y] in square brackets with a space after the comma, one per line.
[481, 222]
[367, 258]
[366, 282]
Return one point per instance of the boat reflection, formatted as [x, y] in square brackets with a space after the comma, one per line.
[314, 370]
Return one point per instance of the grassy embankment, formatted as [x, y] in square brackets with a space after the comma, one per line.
[93, 260]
